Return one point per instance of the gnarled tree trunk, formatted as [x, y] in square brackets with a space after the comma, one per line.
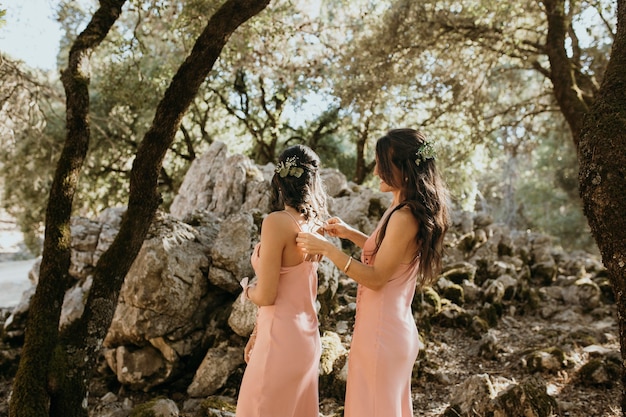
[597, 120]
[602, 176]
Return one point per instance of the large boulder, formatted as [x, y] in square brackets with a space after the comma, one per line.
[163, 307]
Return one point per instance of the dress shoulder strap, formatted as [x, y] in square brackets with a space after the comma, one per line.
[311, 258]
[294, 220]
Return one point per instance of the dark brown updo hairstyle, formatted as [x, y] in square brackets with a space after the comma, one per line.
[297, 183]
[406, 161]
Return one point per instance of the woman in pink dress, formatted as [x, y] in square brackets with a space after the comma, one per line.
[404, 250]
[281, 377]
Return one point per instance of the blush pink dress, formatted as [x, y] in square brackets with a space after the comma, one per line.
[281, 378]
[384, 345]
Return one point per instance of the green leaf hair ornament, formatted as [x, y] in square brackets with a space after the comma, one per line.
[289, 167]
[425, 152]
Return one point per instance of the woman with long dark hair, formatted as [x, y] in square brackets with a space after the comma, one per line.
[404, 250]
[281, 378]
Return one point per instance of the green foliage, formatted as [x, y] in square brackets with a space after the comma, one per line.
[534, 186]
[269, 72]
[335, 76]
[473, 75]
[550, 195]
[130, 72]
[31, 132]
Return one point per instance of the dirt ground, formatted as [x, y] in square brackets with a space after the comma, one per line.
[451, 358]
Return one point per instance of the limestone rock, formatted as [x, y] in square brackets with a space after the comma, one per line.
[473, 395]
[214, 370]
[196, 190]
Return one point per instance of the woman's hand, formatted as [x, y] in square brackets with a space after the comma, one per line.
[335, 227]
[312, 243]
[247, 351]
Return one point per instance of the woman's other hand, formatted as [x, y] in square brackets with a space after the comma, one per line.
[247, 351]
[335, 227]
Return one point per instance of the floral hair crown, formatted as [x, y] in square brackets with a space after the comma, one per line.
[289, 167]
[424, 152]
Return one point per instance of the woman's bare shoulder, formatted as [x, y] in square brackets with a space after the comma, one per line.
[402, 219]
[278, 220]
[404, 213]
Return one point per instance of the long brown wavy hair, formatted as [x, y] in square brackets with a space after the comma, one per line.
[404, 162]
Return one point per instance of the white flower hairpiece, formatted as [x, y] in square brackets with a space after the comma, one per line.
[289, 167]
[425, 152]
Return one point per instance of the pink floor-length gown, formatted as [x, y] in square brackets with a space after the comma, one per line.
[384, 345]
[281, 378]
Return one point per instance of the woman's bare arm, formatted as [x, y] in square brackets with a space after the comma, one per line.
[335, 227]
[397, 247]
[268, 269]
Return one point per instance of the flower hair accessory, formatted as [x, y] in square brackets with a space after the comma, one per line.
[289, 167]
[424, 153]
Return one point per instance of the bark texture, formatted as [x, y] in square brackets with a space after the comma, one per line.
[597, 118]
[602, 176]
[55, 369]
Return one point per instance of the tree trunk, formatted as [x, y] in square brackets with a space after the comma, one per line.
[54, 372]
[602, 176]
[599, 133]
[37, 380]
